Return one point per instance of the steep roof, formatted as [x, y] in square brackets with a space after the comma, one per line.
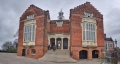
[108, 39]
[33, 10]
[86, 7]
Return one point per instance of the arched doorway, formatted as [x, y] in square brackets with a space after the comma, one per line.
[52, 42]
[65, 43]
[58, 43]
[23, 52]
[83, 54]
[95, 54]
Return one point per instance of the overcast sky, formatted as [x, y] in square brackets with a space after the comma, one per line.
[11, 10]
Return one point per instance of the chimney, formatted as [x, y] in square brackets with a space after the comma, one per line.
[104, 35]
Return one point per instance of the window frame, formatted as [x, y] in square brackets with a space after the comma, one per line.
[30, 17]
[88, 30]
[111, 45]
[30, 32]
[88, 14]
[33, 51]
[59, 24]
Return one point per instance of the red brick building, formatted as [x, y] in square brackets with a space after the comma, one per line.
[82, 34]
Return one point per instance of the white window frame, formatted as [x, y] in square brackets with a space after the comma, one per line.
[110, 45]
[90, 31]
[26, 38]
[30, 17]
[33, 53]
[59, 24]
[89, 15]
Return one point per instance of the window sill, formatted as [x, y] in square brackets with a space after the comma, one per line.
[28, 41]
[33, 54]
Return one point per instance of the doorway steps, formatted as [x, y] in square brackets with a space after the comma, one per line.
[61, 56]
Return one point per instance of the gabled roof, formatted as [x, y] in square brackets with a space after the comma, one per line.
[108, 39]
[86, 7]
[33, 10]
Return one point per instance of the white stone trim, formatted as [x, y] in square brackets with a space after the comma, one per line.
[60, 36]
[29, 43]
[87, 42]
[62, 43]
[29, 22]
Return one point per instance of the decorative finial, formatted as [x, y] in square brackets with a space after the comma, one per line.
[61, 9]
[61, 17]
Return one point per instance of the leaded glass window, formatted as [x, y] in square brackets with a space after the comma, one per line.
[29, 32]
[89, 31]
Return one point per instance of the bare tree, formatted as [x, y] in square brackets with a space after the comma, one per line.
[6, 45]
[16, 34]
[15, 43]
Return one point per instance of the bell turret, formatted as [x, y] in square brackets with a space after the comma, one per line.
[61, 17]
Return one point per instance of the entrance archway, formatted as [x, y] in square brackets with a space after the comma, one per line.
[95, 54]
[65, 43]
[58, 43]
[23, 52]
[83, 54]
[52, 42]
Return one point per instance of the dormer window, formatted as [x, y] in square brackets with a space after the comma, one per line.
[89, 15]
[59, 24]
[30, 17]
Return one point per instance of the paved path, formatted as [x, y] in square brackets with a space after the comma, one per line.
[11, 58]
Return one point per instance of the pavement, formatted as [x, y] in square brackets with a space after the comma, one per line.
[12, 58]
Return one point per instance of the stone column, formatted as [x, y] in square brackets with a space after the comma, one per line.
[61, 43]
[89, 54]
[49, 41]
[68, 43]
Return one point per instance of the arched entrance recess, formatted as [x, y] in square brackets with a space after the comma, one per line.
[95, 54]
[65, 43]
[52, 42]
[58, 43]
[83, 54]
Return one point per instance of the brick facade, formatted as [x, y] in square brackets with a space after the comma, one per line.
[45, 26]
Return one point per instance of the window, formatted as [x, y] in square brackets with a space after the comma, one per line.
[29, 33]
[33, 51]
[30, 17]
[88, 15]
[106, 45]
[59, 24]
[89, 31]
[110, 45]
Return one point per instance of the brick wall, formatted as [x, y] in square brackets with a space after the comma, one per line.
[65, 28]
[76, 15]
[43, 27]
[41, 32]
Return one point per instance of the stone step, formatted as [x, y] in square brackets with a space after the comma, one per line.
[61, 52]
[57, 56]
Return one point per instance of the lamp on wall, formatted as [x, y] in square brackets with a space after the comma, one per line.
[116, 43]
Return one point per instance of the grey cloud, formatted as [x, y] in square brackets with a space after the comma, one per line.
[112, 24]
